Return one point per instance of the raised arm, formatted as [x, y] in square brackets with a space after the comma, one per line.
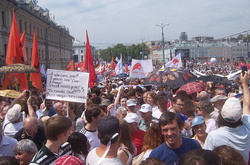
[246, 94]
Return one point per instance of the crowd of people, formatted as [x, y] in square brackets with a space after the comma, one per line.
[125, 123]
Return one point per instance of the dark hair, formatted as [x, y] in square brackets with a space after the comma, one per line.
[55, 126]
[183, 94]
[96, 90]
[79, 143]
[152, 161]
[110, 97]
[92, 110]
[200, 156]
[180, 97]
[6, 160]
[97, 100]
[229, 155]
[221, 122]
[168, 118]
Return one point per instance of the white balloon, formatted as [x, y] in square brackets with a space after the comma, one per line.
[213, 60]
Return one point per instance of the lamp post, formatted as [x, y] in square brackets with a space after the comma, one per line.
[162, 27]
[142, 51]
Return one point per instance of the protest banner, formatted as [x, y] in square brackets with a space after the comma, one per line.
[67, 85]
[141, 68]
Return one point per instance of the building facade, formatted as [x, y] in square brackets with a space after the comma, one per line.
[54, 41]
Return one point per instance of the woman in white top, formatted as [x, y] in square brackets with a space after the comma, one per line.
[204, 109]
[127, 149]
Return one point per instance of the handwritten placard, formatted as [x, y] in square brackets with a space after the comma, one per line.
[67, 85]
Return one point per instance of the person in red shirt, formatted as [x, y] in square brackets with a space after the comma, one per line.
[137, 135]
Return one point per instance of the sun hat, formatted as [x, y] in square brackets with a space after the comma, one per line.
[14, 113]
[145, 108]
[197, 120]
[231, 110]
[131, 102]
[132, 118]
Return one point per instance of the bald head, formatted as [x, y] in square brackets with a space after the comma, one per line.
[58, 107]
[30, 126]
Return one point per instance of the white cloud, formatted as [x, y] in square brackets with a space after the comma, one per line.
[117, 21]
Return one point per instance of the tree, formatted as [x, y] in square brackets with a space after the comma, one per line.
[134, 51]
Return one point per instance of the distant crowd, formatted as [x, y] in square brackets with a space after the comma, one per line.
[130, 123]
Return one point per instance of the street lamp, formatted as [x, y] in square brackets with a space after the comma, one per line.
[142, 51]
[162, 26]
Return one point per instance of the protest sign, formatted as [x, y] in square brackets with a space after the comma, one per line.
[141, 68]
[67, 85]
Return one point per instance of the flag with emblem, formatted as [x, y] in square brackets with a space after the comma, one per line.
[175, 62]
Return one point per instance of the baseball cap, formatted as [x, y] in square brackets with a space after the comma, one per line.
[231, 110]
[131, 102]
[108, 126]
[14, 113]
[132, 118]
[218, 97]
[145, 108]
[66, 160]
[197, 120]
[105, 102]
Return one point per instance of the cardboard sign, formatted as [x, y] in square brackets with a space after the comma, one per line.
[67, 85]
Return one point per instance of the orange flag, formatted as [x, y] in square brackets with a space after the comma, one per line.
[35, 77]
[89, 63]
[112, 64]
[71, 66]
[14, 55]
[23, 42]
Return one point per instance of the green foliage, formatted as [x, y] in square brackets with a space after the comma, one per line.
[134, 51]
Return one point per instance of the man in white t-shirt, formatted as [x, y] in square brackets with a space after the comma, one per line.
[109, 135]
[234, 129]
[93, 114]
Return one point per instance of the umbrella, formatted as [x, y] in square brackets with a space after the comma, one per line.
[18, 68]
[193, 87]
[9, 93]
[216, 79]
[174, 79]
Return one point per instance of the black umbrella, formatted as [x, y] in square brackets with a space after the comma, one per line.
[174, 79]
[215, 78]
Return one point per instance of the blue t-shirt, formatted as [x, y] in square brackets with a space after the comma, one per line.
[171, 156]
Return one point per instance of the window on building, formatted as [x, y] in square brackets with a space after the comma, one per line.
[5, 49]
[3, 18]
[81, 51]
[30, 29]
[25, 26]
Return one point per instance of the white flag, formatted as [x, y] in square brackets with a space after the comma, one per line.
[175, 62]
[141, 68]
[119, 67]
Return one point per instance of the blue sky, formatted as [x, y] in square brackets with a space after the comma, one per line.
[117, 21]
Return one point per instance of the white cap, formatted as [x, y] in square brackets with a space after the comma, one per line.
[132, 118]
[231, 110]
[14, 113]
[145, 108]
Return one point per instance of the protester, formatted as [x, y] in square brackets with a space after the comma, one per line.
[121, 112]
[127, 148]
[109, 135]
[199, 127]
[57, 131]
[205, 108]
[234, 129]
[201, 157]
[80, 145]
[24, 151]
[178, 104]
[229, 155]
[6, 160]
[152, 100]
[137, 134]
[13, 121]
[146, 114]
[93, 115]
[31, 130]
[175, 145]
[6, 144]
[162, 105]
[218, 102]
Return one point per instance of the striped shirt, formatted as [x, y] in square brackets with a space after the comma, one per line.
[45, 157]
[92, 137]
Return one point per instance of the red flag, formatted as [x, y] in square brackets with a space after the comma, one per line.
[14, 55]
[14, 51]
[35, 77]
[23, 42]
[112, 65]
[71, 66]
[79, 65]
[89, 63]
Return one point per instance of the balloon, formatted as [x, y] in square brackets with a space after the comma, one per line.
[213, 60]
